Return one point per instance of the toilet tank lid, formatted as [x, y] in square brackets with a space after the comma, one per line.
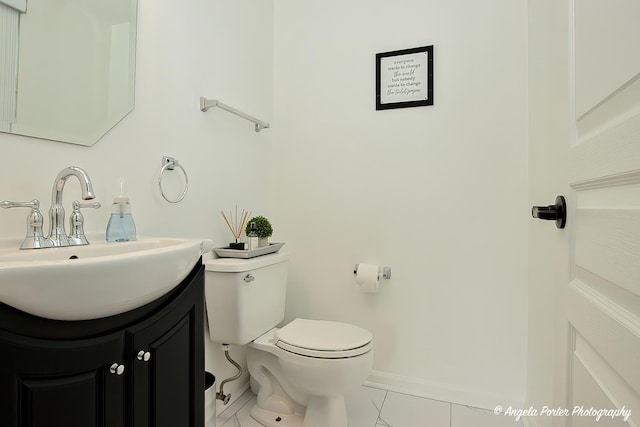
[323, 335]
[238, 265]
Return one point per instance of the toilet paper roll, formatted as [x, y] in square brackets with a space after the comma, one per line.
[368, 277]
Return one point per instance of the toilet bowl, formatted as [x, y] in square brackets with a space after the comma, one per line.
[300, 372]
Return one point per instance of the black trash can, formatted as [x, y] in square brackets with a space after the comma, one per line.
[209, 400]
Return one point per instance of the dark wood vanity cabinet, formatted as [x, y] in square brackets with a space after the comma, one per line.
[143, 368]
[167, 383]
[60, 383]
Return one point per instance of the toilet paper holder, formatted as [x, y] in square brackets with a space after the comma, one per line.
[386, 272]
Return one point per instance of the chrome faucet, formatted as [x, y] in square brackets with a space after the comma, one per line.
[57, 233]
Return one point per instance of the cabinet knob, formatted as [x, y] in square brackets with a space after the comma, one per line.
[144, 356]
[116, 369]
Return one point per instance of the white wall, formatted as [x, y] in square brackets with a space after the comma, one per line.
[209, 48]
[548, 252]
[183, 53]
[437, 193]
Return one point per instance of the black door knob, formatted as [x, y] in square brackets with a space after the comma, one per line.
[557, 212]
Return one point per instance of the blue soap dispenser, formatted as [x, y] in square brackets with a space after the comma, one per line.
[121, 227]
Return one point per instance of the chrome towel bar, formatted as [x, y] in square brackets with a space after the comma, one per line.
[205, 104]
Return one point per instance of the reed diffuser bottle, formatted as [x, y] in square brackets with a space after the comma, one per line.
[236, 225]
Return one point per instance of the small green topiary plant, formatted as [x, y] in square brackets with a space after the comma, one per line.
[262, 224]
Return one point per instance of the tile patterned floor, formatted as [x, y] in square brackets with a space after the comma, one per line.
[372, 407]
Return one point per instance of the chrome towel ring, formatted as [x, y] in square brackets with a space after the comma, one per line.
[169, 163]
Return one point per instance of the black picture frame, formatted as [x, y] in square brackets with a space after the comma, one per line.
[404, 78]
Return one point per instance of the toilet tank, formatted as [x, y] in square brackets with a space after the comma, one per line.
[245, 297]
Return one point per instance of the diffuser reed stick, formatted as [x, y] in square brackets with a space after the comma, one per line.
[236, 223]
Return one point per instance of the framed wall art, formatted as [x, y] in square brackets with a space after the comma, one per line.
[404, 78]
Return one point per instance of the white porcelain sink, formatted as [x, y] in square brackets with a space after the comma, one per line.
[97, 280]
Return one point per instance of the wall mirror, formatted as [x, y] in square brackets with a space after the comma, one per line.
[67, 67]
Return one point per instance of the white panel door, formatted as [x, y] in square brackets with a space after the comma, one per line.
[601, 302]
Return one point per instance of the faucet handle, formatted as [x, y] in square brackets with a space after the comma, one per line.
[77, 205]
[33, 204]
[76, 223]
[35, 238]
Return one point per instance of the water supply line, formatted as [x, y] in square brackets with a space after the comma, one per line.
[220, 394]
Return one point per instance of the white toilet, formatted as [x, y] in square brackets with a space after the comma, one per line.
[300, 372]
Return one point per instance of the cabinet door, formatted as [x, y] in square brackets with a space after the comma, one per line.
[168, 388]
[46, 383]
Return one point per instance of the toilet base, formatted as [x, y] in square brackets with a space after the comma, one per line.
[273, 419]
[322, 411]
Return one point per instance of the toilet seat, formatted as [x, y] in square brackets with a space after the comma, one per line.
[323, 339]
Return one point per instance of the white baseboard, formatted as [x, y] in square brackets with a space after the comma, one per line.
[442, 392]
[404, 385]
[225, 412]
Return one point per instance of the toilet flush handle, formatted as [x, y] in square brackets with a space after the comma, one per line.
[249, 278]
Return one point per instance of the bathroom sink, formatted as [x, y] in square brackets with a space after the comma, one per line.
[98, 280]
